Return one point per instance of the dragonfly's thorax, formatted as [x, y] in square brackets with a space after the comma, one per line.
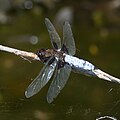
[45, 54]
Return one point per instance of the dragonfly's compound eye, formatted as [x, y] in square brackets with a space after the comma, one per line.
[40, 53]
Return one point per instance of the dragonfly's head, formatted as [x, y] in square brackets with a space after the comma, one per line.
[42, 55]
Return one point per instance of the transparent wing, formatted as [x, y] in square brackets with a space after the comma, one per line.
[42, 79]
[68, 39]
[60, 78]
[54, 37]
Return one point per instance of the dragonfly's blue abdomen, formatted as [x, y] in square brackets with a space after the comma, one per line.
[80, 65]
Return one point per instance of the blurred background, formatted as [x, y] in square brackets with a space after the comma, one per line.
[96, 29]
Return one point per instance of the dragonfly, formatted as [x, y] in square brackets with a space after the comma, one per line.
[59, 62]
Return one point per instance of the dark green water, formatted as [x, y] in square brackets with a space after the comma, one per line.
[97, 37]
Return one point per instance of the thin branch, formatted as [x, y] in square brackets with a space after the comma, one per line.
[19, 52]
